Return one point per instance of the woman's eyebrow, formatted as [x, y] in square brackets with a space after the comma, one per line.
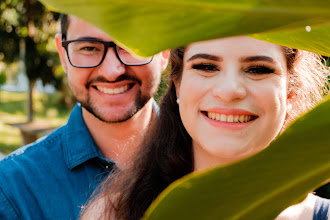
[257, 58]
[205, 56]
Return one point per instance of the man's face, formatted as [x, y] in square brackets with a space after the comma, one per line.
[112, 92]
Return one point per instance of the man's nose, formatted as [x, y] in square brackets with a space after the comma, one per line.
[111, 67]
[229, 87]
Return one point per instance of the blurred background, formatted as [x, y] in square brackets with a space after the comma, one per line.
[34, 94]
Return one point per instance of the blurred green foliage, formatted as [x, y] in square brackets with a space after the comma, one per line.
[163, 84]
[27, 32]
[3, 78]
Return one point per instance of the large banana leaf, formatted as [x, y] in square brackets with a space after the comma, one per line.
[149, 26]
[259, 187]
[299, 38]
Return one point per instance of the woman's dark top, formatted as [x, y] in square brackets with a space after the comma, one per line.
[322, 209]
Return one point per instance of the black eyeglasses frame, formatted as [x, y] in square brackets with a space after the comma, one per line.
[107, 44]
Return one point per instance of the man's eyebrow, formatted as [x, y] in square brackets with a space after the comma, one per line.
[205, 56]
[88, 38]
[257, 58]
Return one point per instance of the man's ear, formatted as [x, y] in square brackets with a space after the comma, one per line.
[61, 50]
[164, 60]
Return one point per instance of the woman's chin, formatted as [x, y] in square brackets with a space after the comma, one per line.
[212, 157]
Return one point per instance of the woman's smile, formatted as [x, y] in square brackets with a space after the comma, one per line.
[229, 118]
[229, 121]
[229, 115]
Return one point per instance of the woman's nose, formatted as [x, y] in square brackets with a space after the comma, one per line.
[230, 87]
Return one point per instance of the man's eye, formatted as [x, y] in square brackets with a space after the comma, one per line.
[205, 67]
[259, 70]
[89, 48]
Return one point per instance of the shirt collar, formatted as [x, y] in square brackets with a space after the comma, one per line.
[78, 145]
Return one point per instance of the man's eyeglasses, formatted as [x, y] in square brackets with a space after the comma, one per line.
[86, 53]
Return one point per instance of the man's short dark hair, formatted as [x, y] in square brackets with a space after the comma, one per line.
[64, 24]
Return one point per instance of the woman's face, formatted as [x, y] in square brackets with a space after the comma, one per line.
[233, 98]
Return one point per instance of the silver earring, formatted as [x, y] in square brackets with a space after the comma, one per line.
[177, 101]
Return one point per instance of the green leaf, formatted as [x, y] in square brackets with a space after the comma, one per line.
[259, 187]
[317, 40]
[149, 26]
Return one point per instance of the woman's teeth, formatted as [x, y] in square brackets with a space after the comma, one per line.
[230, 118]
[112, 91]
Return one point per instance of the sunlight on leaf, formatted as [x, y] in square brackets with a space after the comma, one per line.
[150, 26]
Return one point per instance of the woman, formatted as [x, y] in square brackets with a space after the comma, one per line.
[223, 93]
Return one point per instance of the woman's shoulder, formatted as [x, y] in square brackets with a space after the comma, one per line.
[99, 208]
[94, 210]
[301, 211]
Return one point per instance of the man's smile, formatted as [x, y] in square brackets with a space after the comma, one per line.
[113, 91]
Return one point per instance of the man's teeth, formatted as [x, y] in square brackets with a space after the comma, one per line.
[230, 118]
[112, 91]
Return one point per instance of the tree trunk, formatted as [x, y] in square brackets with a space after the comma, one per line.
[29, 103]
[30, 26]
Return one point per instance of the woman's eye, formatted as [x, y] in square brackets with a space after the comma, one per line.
[205, 67]
[259, 70]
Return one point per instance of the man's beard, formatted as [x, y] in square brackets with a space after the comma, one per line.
[139, 103]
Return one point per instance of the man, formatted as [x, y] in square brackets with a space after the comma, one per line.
[53, 177]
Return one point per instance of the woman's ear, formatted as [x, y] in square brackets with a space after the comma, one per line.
[289, 100]
[177, 88]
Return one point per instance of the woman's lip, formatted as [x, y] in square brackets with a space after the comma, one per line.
[229, 118]
[228, 125]
[229, 111]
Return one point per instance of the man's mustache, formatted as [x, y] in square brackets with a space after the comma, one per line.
[120, 78]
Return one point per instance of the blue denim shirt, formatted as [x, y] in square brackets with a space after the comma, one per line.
[53, 177]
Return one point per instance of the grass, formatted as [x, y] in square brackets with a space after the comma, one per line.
[13, 110]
